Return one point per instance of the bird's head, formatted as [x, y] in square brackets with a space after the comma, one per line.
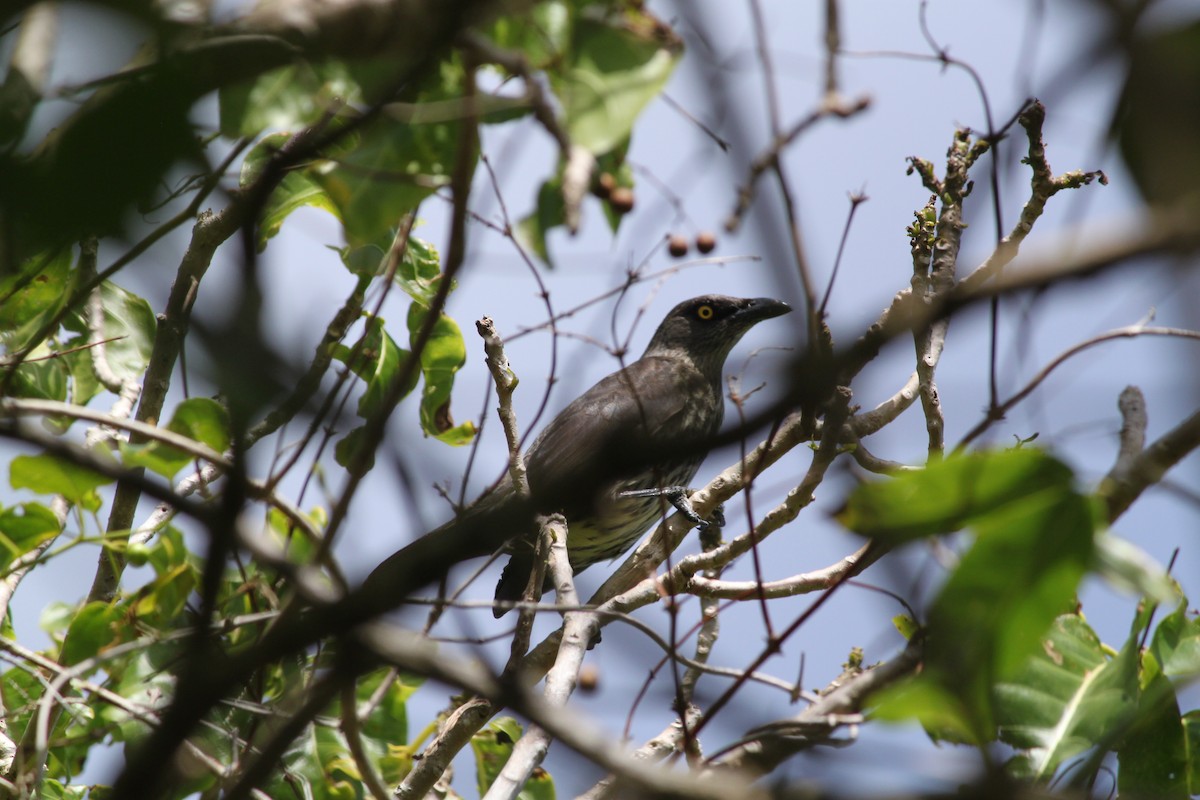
[704, 329]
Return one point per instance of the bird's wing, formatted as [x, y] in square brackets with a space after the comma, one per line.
[626, 416]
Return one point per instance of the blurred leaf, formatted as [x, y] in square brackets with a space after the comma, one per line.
[92, 628]
[366, 262]
[50, 789]
[547, 214]
[1131, 568]
[1022, 571]
[200, 419]
[1158, 124]
[377, 360]
[32, 294]
[22, 528]
[43, 379]
[1176, 644]
[540, 36]
[948, 495]
[88, 173]
[286, 99]
[420, 271]
[443, 355]
[47, 474]
[296, 190]
[613, 70]
[348, 448]
[1068, 697]
[1191, 732]
[144, 679]
[382, 171]
[939, 711]
[1153, 756]
[84, 383]
[492, 746]
[1033, 543]
[161, 603]
[130, 320]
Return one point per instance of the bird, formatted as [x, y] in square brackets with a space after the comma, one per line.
[611, 457]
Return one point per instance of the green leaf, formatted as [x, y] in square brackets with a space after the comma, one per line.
[348, 448]
[130, 321]
[1131, 568]
[383, 171]
[84, 383]
[443, 355]
[1191, 732]
[541, 36]
[200, 419]
[1153, 757]
[32, 294]
[23, 528]
[939, 711]
[492, 746]
[1022, 571]
[1066, 700]
[296, 190]
[420, 271]
[948, 495]
[1159, 120]
[47, 474]
[1033, 543]
[51, 789]
[612, 72]
[93, 627]
[87, 174]
[288, 98]
[377, 359]
[44, 379]
[366, 262]
[548, 213]
[144, 679]
[1176, 644]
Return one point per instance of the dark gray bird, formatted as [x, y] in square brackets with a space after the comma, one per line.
[639, 435]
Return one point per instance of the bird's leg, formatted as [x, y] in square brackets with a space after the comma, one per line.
[678, 496]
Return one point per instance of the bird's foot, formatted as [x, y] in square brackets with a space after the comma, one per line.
[678, 496]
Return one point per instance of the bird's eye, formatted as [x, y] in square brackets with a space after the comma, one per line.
[705, 312]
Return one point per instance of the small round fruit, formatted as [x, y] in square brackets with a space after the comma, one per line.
[621, 200]
[677, 245]
[605, 185]
[706, 241]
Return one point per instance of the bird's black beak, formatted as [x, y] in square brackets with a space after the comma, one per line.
[760, 308]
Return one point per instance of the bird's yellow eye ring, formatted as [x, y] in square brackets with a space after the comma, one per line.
[705, 312]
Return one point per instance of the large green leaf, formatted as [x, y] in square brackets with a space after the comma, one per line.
[94, 626]
[47, 474]
[1033, 543]
[377, 359]
[198, 418]
[613, 70]
[33, 293]
[129, 320]
[948, 495]
[1176, 644]
[443, 355]
[287, 98]
[1068, 697]
[1158, 124]
[296, 190]
[383, 170]
[492, 747]
[1153, 755]
[22, 528]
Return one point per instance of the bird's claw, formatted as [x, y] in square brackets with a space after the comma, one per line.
[679, 497]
